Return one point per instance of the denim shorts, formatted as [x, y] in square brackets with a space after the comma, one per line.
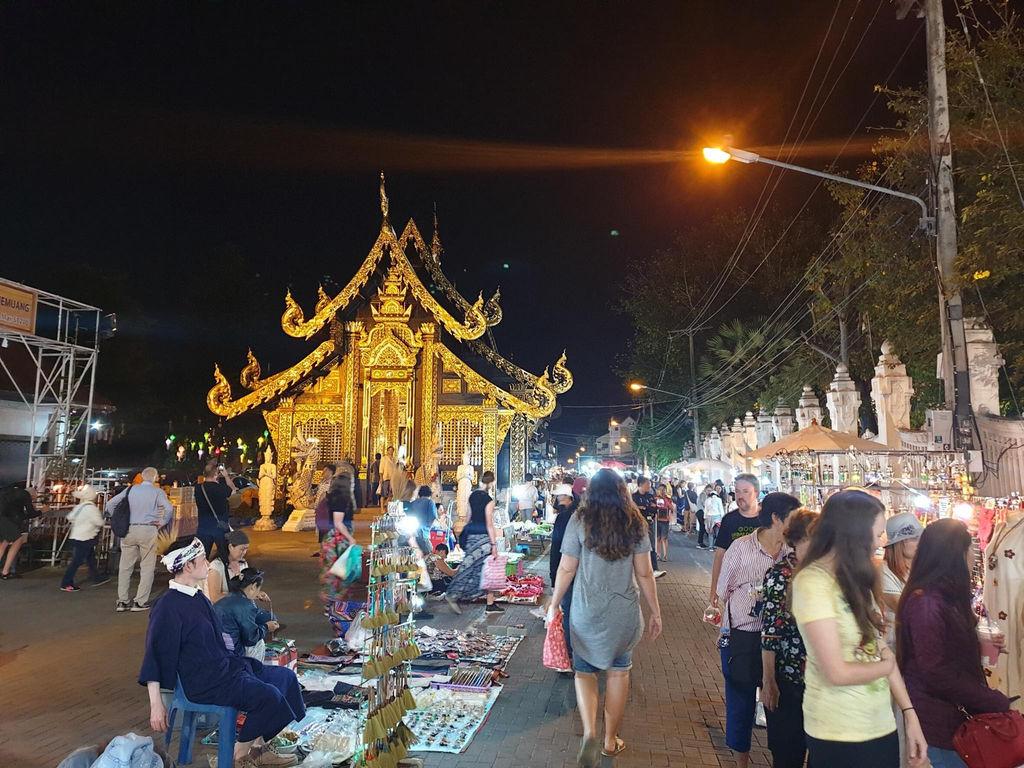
[621, 663]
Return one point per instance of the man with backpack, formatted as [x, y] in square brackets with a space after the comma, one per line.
[149, 510]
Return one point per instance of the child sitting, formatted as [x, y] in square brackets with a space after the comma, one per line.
[246, 623]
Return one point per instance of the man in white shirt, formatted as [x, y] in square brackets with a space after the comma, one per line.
[387, 471]
[526, 498]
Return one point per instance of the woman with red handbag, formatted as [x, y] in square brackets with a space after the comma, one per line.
[606, 560]
[938, 651]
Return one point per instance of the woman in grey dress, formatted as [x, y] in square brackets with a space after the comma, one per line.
[606, 559]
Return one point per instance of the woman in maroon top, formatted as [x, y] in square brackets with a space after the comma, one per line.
[937, 641]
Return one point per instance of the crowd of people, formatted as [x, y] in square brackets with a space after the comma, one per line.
[811, 621]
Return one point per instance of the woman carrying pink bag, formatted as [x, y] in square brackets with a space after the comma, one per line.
[479, 540]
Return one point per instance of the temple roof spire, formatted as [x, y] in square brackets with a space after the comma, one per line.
[383, 198]
[435, 243]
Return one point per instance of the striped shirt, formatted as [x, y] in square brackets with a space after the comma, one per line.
[741, 580]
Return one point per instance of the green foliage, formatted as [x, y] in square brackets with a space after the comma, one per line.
[903, 300]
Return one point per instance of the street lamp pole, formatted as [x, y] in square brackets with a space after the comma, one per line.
[950, 307]
[721, 155]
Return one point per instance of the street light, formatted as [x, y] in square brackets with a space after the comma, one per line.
[722, 155]
[637, 387]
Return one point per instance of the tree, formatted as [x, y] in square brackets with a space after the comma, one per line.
[893, 267]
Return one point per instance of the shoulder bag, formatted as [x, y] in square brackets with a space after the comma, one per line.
[991, 740]
[224, 525]
[743, 654]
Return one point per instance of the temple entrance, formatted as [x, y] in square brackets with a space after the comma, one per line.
[388, 419]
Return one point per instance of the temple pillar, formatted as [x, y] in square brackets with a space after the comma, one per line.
[519, 446]
[843, 400]
[765, 433]
[428, 392]
[809, 408]
[749, 432]
[984, 361]
[737, 443]
[715, 444]
[353, 400]
[782, 420]
[891, 390]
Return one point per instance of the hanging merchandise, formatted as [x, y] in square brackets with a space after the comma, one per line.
[391, 645]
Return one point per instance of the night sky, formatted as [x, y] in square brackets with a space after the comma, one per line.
[146, 140]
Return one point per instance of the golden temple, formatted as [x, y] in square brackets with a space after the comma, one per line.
[393, 366]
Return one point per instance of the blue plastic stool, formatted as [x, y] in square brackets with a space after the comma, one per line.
[524, 548]
[227, 717]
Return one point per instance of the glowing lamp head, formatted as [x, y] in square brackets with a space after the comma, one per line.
[716, 155]
[636, 387]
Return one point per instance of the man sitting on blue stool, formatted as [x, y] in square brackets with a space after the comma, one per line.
[186, 641]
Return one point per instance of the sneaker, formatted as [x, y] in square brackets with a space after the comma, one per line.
[137, 607]
[102, 580]
[659, 574]
[70, 588]
[453, 605]
[122, 607]
[494, 608]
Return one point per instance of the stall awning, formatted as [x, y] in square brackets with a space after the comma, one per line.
[817, 438]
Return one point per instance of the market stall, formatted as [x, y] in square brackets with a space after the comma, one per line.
[698, 471]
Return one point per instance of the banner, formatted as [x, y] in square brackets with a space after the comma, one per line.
[17, 309]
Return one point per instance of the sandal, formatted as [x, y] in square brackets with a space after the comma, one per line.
[588, 754]
[620, 747]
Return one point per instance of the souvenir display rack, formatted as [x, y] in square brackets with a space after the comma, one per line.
[392, 644]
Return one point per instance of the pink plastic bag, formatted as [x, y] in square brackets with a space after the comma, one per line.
[556, 652]
[492, 577]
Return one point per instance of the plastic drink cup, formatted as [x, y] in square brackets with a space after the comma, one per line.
[713, 616]
[987, 633]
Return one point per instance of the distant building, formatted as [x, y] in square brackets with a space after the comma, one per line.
[618, 441]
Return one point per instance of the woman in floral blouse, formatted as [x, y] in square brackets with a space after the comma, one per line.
[782, 651]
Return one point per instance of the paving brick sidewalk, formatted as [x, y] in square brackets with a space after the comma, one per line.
[68, 665]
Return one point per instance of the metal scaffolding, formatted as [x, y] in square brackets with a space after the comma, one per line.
[63, 347]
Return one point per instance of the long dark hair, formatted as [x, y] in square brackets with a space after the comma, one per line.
[341, 494]
[844, 530]
[940, 567]
[612, 524]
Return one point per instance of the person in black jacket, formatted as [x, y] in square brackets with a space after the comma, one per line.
[565, 505]
[647, 504]
[16, 509]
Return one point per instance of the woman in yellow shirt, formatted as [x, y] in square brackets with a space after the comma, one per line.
[851, 672]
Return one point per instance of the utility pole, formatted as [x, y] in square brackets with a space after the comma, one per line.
[954, 348]
[693, 406]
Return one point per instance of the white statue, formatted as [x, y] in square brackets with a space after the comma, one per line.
[464, 477]
[267, 483]
[306, 453]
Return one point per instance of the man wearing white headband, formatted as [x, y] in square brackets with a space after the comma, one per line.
[185, 641]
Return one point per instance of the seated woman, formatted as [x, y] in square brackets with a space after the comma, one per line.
[228, 564]
[245, 622]
[441, 574]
